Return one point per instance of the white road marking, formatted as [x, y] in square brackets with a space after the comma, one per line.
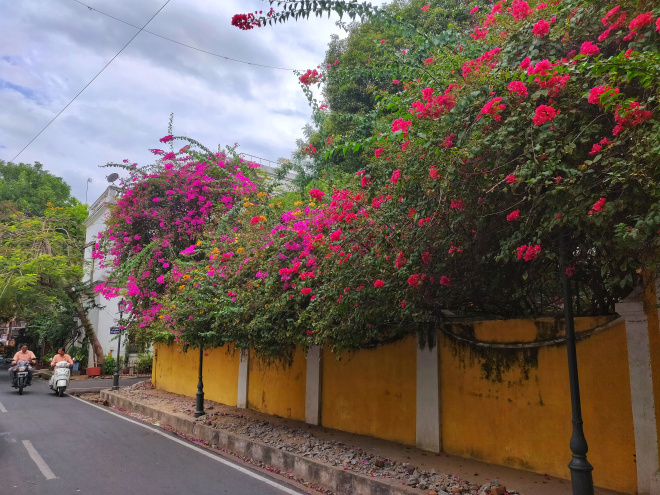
[2, 408]
[38, 460]
[197, 449]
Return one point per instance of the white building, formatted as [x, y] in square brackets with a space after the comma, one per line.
[105, 315]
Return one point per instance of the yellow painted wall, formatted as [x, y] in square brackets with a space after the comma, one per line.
[176, 371]
[513, 407]
[278, 388]
[651, 310]
[372, 391]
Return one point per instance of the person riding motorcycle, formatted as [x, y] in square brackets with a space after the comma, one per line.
[22, 355]
[61, 356]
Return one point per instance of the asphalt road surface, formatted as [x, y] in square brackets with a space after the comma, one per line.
[63, 445]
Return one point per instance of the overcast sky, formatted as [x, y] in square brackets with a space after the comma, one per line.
[51, 49]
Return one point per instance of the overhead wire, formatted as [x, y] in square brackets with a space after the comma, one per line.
[90, 82]
[186, 45]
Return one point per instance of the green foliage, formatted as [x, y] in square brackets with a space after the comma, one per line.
[109, 365]
[28, 188]
[144, 362]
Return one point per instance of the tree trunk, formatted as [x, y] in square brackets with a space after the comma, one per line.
[90, 333]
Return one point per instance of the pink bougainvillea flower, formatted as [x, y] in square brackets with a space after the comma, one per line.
[595, 149]
[413, 280]
[395, 176]
[378, 152]
[544, 114]
[448, 142]
[517, 88]
[167, 139]
[596, 94]
[426, 7]
[589, 48]
[428, 61]
[511, 179]
[457, 204]
[598, 206]
[445, 281]
[316, 194]
[528, 253]
[514, 215]
[254, 220]
[379, 283]
[161, 279]
[541, 28]
[493, 108]
[189, 250]
[474, 9]
[521, 10]
[305, 291]
[525, 63]
[434, 173]
[336, 235]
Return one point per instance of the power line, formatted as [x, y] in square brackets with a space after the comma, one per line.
[90, 82]
[184, 44]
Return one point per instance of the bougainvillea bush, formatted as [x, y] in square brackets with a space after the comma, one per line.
[540, 121]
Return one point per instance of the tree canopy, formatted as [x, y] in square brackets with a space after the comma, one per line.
[28, 188]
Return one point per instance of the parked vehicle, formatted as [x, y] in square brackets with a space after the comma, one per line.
[21, 376]
[60, 379]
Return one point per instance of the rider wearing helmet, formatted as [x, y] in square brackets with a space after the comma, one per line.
[22, 355]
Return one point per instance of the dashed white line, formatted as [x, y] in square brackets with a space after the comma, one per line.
[2, 408]
[38, 460]
[208, 454]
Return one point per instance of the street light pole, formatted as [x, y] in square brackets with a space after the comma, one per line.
[200, 387]
[581, 470]
[115, 379]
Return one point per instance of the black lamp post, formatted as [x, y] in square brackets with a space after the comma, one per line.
[200, 387]
[581, 470]
[115, 380]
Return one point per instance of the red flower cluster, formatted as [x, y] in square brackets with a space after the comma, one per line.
[316, 194]
[589, 48]
[401, 125]
[598, 206]
[517, 88]
[493, 108]
[245, 21]
[486, 60]
[479, 33]
[595, 95]
[528, 253]
[520, 10]
[629, 117]
[514, 215]
[434, 106]
[311, 77]
[544, 113]
[541, 28]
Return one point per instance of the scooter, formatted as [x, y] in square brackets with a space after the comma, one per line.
[60, 379]
[21, 376]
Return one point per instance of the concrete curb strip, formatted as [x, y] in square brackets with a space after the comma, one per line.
[338, 480]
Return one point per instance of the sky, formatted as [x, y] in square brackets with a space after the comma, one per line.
[51, 49]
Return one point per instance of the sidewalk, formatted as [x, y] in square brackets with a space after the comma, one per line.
[82, 384]
[332, 460]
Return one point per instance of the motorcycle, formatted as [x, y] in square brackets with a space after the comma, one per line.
[60, 379]
[21, 376]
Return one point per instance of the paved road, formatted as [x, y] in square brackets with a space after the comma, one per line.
[63, 445]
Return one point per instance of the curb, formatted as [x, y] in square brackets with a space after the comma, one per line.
[341, 482]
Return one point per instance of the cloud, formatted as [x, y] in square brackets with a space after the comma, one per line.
[50, 51]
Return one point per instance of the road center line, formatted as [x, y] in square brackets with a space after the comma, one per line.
[2, 408]
[38, 460]
[200, 450]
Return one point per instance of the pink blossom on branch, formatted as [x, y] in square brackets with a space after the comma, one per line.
[517, 88]
[589, 48]
[544, 114]
[541, 28]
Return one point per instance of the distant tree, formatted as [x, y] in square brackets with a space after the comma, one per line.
[29, 187]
